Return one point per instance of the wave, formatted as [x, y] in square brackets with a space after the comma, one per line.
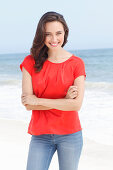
[99, 85]
[89, 85]
[10, 82]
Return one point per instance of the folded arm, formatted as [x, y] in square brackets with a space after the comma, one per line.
[47, 104]
[28, 90]
[67, 104]
[37, 107]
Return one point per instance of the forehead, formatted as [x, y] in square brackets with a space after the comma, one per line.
[53, 26]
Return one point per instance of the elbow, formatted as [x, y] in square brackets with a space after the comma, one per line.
[77, 106]
[27, 107]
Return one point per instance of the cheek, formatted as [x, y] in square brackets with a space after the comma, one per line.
[62, 38]
[46, 40]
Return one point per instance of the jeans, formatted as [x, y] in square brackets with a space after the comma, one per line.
[42, 148]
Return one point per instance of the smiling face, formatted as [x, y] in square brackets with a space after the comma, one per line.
[54, 32]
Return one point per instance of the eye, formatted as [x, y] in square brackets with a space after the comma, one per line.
[47, 34]
[59, 33]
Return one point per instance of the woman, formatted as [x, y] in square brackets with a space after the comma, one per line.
[50, 77]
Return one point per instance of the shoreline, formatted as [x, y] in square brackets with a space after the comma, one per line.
[14, 145]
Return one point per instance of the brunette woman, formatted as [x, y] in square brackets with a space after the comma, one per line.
[53, 88]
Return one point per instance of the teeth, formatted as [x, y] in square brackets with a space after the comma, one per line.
[54, 44]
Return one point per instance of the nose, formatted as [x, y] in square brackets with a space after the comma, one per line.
[54, 38]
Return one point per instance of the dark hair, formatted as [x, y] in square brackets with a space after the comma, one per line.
[39, 49]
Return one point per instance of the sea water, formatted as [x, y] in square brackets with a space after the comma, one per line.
[96, 114]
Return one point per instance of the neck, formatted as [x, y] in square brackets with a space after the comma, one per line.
[55, 54]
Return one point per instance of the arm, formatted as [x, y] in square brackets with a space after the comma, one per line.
[28, 90]
[66, 104]
[37, 107]
[60, 104]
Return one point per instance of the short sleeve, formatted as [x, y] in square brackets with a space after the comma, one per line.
[79, 69]
[28, 63]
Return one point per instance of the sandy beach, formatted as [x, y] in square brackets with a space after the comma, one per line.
[14, 144]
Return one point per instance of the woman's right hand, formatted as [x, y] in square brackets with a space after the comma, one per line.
[72, 92]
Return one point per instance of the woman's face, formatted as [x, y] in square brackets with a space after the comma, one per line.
[54, 32]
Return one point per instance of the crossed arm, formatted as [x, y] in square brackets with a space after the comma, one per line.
[31, 102]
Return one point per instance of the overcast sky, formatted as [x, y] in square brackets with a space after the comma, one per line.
[90, 23]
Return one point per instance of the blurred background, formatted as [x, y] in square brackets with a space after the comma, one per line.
[91, 38]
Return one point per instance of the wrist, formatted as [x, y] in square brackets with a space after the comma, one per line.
[38, 102]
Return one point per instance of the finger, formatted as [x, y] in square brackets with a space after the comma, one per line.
[21, 100]
[23, 95]
[24, 101]
[73, 90]
[73, 96]
[72, 87]
[24, 98]
[75, 87]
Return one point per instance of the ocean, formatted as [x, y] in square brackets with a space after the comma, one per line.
[96, 114]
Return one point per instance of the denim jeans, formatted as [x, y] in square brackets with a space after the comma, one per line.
[42, 148]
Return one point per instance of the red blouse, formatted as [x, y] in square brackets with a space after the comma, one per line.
[52, 82]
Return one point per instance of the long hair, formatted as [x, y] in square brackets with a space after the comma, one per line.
[39, 49]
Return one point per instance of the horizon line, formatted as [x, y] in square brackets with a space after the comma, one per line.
[66, 49]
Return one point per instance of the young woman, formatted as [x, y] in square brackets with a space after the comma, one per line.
[53, 88]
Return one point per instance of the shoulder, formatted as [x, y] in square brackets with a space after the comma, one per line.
[29, 58]
[79, 67]
[76, 60]
[28, 63]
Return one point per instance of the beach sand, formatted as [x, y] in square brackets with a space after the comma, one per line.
[14, 145]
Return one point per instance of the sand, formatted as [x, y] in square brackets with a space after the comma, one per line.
[14, 144]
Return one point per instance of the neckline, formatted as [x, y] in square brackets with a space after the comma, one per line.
[61, 62]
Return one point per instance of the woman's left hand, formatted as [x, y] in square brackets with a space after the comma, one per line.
[29, 99]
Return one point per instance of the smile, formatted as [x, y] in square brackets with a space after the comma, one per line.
[54, 45]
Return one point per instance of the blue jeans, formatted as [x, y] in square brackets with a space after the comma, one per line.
[42, 148]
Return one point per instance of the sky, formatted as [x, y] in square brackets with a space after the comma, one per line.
[90, 23]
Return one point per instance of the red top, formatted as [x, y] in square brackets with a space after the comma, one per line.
[52, 82]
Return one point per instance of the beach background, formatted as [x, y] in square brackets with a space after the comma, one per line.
[96, 114]
[90, 38]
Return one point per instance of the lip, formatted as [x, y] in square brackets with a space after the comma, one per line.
[54, 44]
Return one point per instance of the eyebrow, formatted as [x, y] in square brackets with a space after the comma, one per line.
[50, 32]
